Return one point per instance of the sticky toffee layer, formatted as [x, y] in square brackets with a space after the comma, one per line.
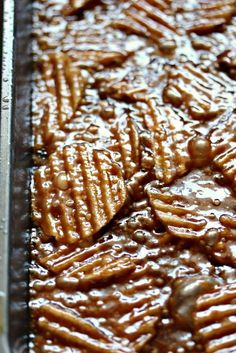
[133, 190]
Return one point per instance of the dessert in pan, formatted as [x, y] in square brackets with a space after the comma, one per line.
[133, 194]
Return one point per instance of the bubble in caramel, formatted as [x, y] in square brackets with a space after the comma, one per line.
[200, 150]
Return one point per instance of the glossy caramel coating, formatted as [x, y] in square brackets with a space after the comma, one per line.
[133, 188]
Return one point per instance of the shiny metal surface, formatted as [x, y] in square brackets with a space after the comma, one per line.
[15, 143]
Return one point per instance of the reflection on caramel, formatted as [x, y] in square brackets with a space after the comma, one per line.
[227, 62]
[75, 7]
[200, 150]
[184, 296]
[133, 191]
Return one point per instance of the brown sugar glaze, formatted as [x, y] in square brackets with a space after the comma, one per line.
[133, 189]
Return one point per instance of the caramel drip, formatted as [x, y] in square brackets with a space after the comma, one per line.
[77, 193]
[215, 319]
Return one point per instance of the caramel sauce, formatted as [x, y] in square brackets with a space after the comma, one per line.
[133, 188]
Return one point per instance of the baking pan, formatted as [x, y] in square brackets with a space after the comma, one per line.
[15, 163]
